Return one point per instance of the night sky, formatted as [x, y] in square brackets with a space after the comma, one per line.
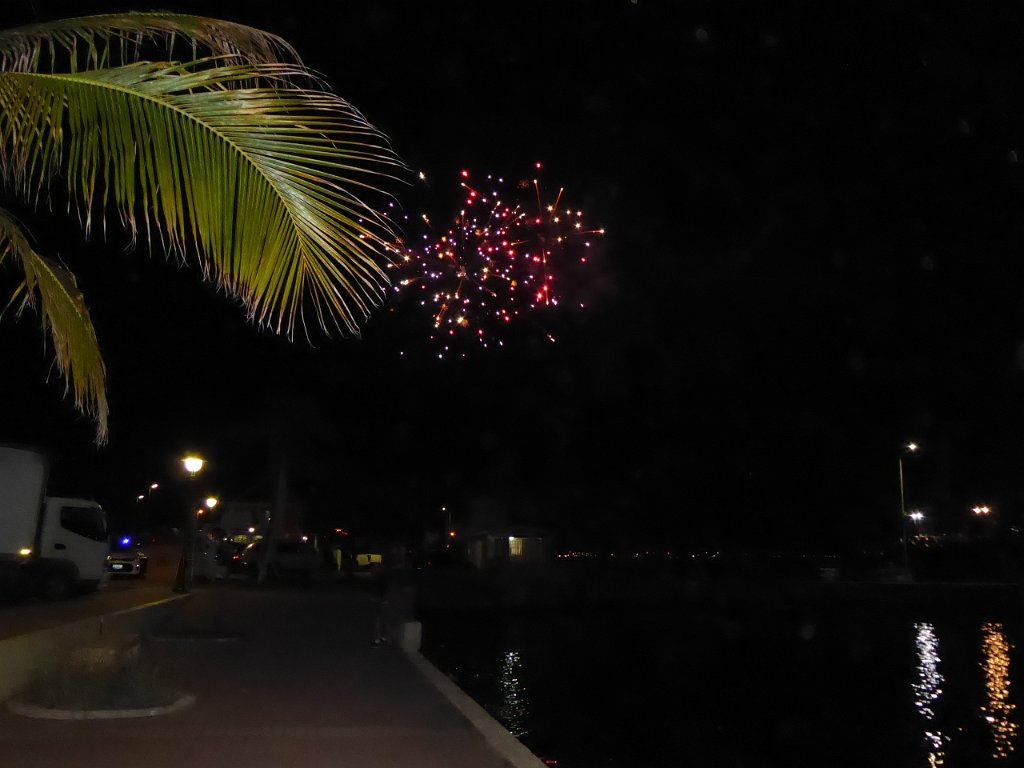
[813, 254]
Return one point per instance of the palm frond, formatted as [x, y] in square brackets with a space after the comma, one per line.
[110, 40]
[51, 290]
[267, 181]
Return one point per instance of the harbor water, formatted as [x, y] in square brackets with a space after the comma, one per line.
[858, 683]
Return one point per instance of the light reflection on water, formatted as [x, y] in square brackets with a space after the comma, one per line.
[514, 708]
[928, 689]
[998, 709]
[960, 671]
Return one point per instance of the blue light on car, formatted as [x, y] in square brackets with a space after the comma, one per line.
[126, 540]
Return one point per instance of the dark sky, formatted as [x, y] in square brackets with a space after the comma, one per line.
[813, 255]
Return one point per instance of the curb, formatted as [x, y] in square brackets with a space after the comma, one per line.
[30, 710]
[28, 655]
[508, 747]
[193, 638]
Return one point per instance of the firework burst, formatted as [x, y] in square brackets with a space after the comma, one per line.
[497, 266]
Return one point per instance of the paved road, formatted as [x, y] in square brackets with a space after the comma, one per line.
[301, 687]
[20, 619]
[120, 593]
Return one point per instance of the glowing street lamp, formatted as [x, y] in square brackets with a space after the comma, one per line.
[209, 504]
[193, 464]
[916, 516]
[149, 492]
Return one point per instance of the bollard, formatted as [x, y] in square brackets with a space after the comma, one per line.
[410, 634]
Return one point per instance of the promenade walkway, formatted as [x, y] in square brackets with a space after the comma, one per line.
[301, 687]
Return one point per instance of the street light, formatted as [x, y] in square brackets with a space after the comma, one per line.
[193, 465]
[208, 505]
[149, 492]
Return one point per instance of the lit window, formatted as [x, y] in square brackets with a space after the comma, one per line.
[515, 546]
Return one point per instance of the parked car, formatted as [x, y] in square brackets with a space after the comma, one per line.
[125, 559]
[234, 556]
[286, 558]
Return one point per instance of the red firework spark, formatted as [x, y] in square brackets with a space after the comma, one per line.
[496, 265]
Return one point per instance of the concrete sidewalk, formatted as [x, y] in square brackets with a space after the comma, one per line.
[301, 687]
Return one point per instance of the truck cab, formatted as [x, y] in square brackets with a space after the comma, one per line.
[49, 546]
[74, 539]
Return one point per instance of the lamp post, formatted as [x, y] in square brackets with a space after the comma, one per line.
[916, 517]
[208, 505]
[448, 532]
[911, 447]
[193, 465]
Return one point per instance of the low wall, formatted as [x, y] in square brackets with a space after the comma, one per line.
[23, 658]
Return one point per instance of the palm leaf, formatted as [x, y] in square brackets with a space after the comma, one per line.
[268, 182]
[109, 40]
[52, 290]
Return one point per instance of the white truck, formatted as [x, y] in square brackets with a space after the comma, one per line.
[50, 547]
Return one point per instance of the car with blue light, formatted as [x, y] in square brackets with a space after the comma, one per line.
[126, 559]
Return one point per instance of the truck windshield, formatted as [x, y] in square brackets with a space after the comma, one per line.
[85, 521]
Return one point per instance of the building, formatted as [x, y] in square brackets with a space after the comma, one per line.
[243, 521]
[508, 544]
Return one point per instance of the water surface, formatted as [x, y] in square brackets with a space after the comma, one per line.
[758, 685]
